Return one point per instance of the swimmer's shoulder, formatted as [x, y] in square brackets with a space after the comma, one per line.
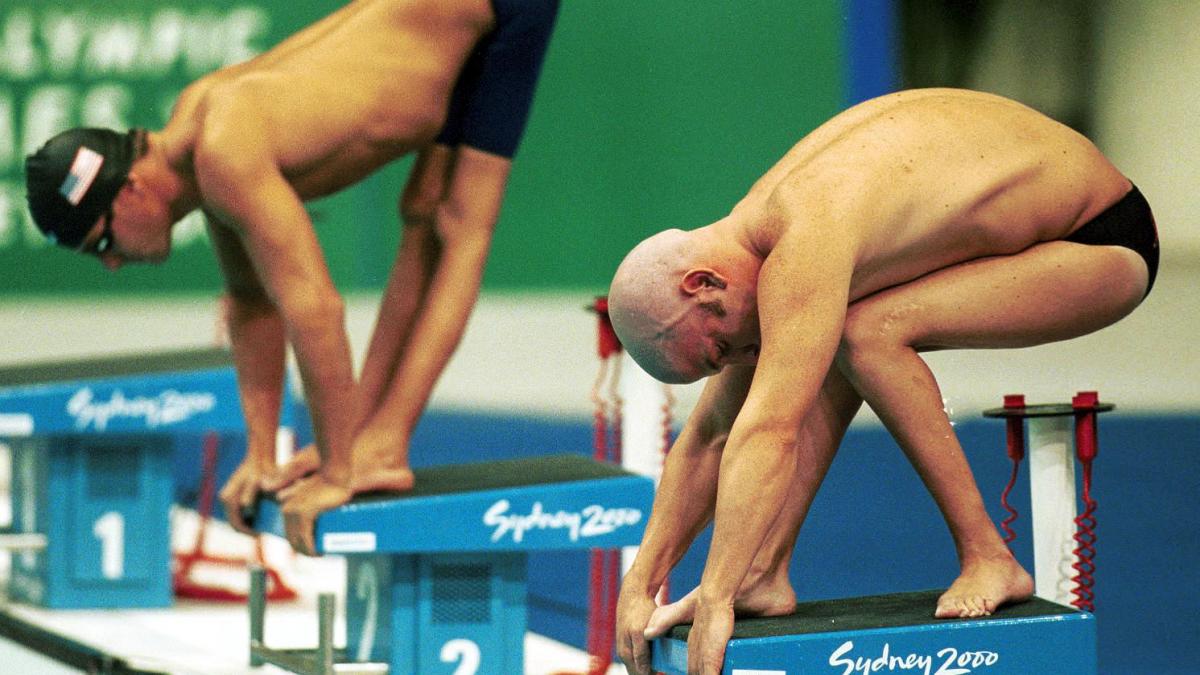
[195, 99]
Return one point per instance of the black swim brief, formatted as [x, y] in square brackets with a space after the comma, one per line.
[1127, 223]
[491, 100]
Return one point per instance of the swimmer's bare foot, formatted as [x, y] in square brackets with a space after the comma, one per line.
[382, 479]
[773, 597]
[984, 585]
[374, 468]
[379, 464]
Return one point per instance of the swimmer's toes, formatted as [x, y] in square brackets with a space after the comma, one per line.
[974, 606]
[947, 608]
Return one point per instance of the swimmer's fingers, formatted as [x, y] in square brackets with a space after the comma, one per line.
[634, 609]
[301, 506]
[239, 497]
[668, 616]
[298, 526]
[303, 463]
[635, 655]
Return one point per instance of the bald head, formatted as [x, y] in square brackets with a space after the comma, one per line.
[684, 304]
[645, 302]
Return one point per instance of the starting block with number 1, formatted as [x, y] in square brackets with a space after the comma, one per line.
[91, 444]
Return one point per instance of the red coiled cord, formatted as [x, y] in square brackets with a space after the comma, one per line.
[605, 565]
[1085, 524]
[1015, 437]
[1006, 525]
[595, 574]
[611, 562]
[1085, 550]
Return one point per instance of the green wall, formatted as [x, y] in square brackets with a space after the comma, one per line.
[649, 115]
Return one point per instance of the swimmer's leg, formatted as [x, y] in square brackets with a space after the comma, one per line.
[1051, 291]
[434, 287]
[381, 446]
[767, 590]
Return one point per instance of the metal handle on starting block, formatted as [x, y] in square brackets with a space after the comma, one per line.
[319, 661]
[22, 542]
[1052, 455]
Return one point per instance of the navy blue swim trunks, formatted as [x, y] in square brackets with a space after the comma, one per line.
[491, 100]
[1128, 223]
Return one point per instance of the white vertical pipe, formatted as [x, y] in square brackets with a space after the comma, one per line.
[1052, 494]
[642, 398]
[642, 401]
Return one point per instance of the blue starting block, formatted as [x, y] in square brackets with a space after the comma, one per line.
[898, 634]
[436, 577]
[91, 444]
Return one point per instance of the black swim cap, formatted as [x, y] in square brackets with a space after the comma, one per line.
[74, 178]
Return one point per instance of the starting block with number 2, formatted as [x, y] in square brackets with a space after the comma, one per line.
[436, 577]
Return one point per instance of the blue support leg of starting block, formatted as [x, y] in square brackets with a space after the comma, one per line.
[898, 634]
[463, 611]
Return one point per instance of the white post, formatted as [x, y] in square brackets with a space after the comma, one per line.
[1052, 494]
[642, 399]
[642, 402]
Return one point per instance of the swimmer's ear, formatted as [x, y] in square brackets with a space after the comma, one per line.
[134, 182]
[696, 280]
[133, 185]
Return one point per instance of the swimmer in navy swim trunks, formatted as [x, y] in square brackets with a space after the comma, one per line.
[921, 220]
[451, 80]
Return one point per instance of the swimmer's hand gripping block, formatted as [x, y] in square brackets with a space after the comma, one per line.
[897, 634]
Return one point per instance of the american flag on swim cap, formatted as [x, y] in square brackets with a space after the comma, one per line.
[81, 175]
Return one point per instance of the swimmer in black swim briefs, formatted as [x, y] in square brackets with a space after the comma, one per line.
[1127, 223]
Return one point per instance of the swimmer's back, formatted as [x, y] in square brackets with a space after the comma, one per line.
[353, 91]
[924, 179]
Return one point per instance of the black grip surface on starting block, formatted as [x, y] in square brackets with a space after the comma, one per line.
[898, 633]
[115, 366]
[894, 610]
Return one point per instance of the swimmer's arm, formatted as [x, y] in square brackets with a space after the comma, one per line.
[803, 291]
[456, 242]
[257, 339]
[683, 502]
[242, 185]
